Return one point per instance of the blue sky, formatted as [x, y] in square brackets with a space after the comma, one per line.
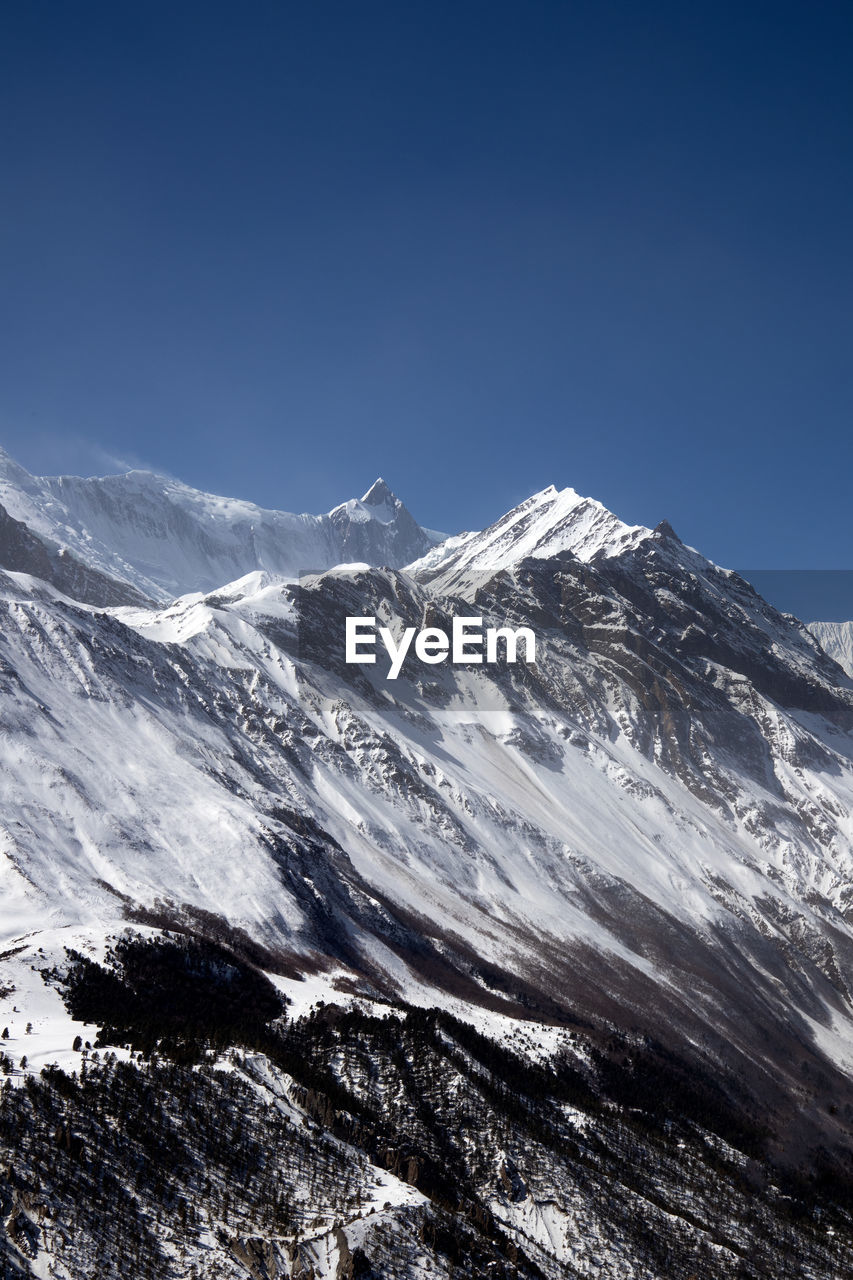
[476, 247]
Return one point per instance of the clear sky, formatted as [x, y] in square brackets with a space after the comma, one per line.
[477, 247]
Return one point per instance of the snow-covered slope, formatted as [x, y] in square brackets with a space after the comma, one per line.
[164, 538]
[23, 551]
[677, 763]
[836, 638]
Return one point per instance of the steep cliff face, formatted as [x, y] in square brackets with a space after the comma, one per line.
[836, 639]
[378, 529]
[621, 873]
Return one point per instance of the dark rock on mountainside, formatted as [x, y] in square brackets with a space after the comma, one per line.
[22, 551]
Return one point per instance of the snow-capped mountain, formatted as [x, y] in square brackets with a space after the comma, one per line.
[675, 731]
[639, 847]
[545, 524]
[163, 538]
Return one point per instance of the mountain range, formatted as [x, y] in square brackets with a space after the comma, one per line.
[158, 538]
[567, 945]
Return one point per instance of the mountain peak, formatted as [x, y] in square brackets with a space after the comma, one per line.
[545, 524]
[379, 495]
[665, 532]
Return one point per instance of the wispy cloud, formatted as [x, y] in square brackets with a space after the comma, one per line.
[50, 451]
[109, 463]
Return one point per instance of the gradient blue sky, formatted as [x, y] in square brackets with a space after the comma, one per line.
[478, 247]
